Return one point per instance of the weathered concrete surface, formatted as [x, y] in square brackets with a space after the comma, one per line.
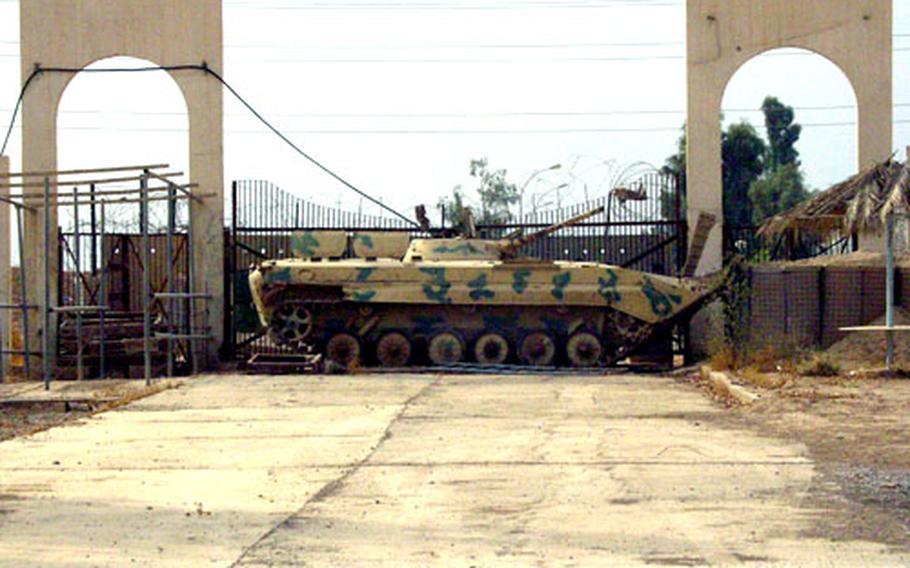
[385, 470]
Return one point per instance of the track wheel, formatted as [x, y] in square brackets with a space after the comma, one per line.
[491, 349]
[446, 348]
[393, 350]
[584, 349]
[537, 349]
[292, 325]
[343, 349]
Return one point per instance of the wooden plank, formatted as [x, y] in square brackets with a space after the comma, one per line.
[81, 182]
[876, 328]
[82, 172]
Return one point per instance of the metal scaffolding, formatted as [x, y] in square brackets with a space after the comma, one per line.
[163, 304]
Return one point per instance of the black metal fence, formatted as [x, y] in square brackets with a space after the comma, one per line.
[643, 229]
[746, 242]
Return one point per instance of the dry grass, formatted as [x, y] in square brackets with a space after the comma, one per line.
[762, 379]
[820, 365]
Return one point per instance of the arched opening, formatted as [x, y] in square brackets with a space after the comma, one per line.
[781, 140]
[114, 120]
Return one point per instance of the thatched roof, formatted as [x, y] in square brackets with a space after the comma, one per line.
[859, 204]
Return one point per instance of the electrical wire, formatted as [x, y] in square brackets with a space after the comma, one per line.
[212, 73]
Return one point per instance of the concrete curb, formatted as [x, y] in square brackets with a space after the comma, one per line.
[725, 387]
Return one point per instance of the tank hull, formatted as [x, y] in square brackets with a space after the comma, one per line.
[439, 311]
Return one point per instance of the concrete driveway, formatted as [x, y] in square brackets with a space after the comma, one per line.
[414, 470]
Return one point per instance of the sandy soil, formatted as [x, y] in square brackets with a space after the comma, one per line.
[857, 431]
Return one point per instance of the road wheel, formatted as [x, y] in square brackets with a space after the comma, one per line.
[343, 349]
[537, 349]
[393, 350]
[292, 324]
[446, 348]
[584, 349]
[491, 349]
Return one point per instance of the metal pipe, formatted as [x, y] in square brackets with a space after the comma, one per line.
[889, 291]
[46, 308]
[102, 299]
[77, 257]
[93, 218]
[169, 258]
[191, 277]
[146, 279]
[23, 297]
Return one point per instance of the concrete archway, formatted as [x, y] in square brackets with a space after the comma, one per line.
[76, 33]
[722, 35]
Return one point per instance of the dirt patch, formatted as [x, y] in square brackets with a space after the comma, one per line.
[857, 430]
[864, 348]
[22, 416]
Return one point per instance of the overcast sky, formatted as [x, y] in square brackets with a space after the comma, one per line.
[398, 96]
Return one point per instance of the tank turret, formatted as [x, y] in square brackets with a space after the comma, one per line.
[509, 247]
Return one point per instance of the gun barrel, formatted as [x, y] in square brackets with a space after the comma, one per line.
[515, 244]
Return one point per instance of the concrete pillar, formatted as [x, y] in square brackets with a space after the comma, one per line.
[76, 33]
[722, 35]
[5, 238]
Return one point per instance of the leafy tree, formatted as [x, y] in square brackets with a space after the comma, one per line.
[675, 165]
[777, 190]
[495, 192]
[743, 159]
[783, 133]
[782, 185]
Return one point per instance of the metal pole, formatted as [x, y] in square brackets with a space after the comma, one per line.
[146, 278]
[94, 225]
[77, 256]
[102, 300]
[171, 221]
[23, 295]
[46, 308]
[889, 291]
[191, 277]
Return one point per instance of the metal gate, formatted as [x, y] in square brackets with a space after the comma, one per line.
[644, 229]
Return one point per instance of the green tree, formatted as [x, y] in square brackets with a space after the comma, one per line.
[776, 191]
[495, 193]
[782, 184]
[743, 160]
[675, 165]
[783, 132]
[742, 153]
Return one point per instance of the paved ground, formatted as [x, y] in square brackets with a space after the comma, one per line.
[421, 470]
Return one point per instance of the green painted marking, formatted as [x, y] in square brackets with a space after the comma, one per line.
[464, 248]
[366, 240]
[437, 289]
[426, 325]
[661, 303]
[363, 274]
[520, 281]
[304, 244]
[479, 290]
[608, 287]
[279, 276]
[560, 281]
[364, 296]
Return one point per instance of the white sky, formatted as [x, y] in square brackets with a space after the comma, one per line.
[398, 97]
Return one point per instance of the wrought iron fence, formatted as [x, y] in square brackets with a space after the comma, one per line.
[643, 229]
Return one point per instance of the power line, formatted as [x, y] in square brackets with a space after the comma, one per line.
[212, 73]
[391, 131]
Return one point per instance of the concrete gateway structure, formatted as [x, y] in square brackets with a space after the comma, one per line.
[722, 35]
[73, 34]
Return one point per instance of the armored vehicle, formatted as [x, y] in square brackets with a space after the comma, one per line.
[442, 301]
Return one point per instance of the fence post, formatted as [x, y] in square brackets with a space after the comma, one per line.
[5, 269]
